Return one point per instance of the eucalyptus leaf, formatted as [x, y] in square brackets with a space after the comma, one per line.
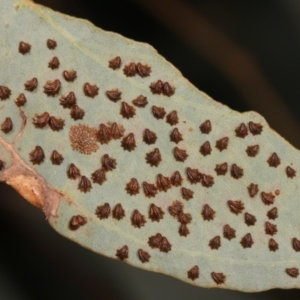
[130, 160]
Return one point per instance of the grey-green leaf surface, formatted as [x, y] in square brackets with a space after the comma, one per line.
[235, 226]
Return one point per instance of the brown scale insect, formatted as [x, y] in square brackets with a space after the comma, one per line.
[40, 121]
[56, 158]
[56, 124]
[186, 194]
[193, 273]
[218, 278]
[167, 89]
[67, 101]
[149, 189]
[140, 101]
[241, 131]
[7, 125]
[36, 156]
[24, 48]
[156, 87]
[118, 212]
[113, 95]
[176, 208]
[90, 90]
[158, 112]
[247, 241]
[127, 111]
[252, 190]
[165, 245]
[205, 127]
[155, 213]
[73, 172]
[115, 63]
[104, 134]
[108, 163]
[255, 128]
[31, 85]
[103, 211]
[273, 245]
[5, 92]
[1, 165]
[267, 198]
[228, 232]
[176, 136]
[155, 240]
[51, 44]
[143, 70]
[183, 230]
[76, 222]
[222, 143]
[215, 243]
[205, 149]
[293, 272]
[270, 228]
[84, 185]
[153, 158]
[149, 137]
[130, 69]
[207, 180]
[137, 219]
[99, 176]
[143, 255]
[77, 113]
[163, 183]
[236, 171]
[252, 150]
[290, 172]
[122, 253]
[54, 63]
[235, 207]
[184, 218]
[116, 131]
[274, 160]
[207, 213]
[52, 87]
[20, 101]
[132, 187]
[69, 75]
[221, 169]
[272, 214]
[180, 154]
[176, 179]
[194, 176]
[172, 118]
[296, 244]
[250, 219]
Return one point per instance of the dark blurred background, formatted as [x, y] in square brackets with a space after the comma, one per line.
[245, 54]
